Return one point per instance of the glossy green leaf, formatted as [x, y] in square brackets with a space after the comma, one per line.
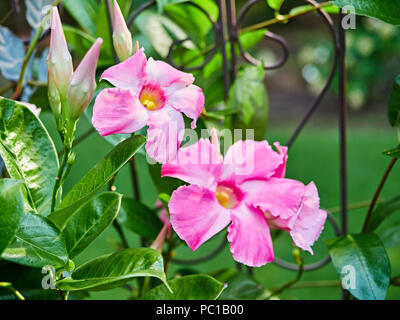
[163, 3]
[11, 210]
[96, 178]
[242, 286]
[382, 211]
[114, 270]
[37, 243]
[89, 221]
[367, 255]
[84, 12]
[139, 218]
[275, 4]
[28, 153]
[249, 96]
[193, 287]
[394, 104]
[394, 152]
[385, 10]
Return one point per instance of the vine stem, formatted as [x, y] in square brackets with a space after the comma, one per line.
[29, 53]
[288, 284]
[377, 193]
[353, 206]
[60, 176]
[283, 18]
[15, 292]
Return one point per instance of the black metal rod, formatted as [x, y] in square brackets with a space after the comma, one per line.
[222, 21]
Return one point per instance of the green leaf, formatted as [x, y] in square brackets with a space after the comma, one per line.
[385, 10]
[11, 210]
[390, 236]
[394, 152]
[367, 255]
[96, 178]
[139, 218]
[275, 4]
[28, 153]
[89, 221]
[163, 3]
[241, 286]
[249, 97]
[193, 287]
[191, 19]
[84, 12]
[37, 243]
[382, 211]
[160, 31]
[394, 104]
[114, 270]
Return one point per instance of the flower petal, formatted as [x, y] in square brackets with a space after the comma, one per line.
[196, 215]
[280, 197]
[310, 220]
[165, 134]
[249, 159]
[281, 170]
[163, 74]
[198, 164]
[189, 100]
[118, 111]
[129, 74]
[251, 242]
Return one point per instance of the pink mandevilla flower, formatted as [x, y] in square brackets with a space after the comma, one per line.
[252, 201]
[151, 93]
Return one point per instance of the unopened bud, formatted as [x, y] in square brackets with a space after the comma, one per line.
[122, 37]
[59, 61]
[83, 82]
[54, 100]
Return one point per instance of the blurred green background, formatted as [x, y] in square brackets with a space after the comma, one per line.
[373, 61]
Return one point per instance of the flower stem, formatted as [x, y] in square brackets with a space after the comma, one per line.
[116, 225]
[354, 206]
[15, 292]
[377, 193]
[283, 18]
[290, 283]
[62, 171]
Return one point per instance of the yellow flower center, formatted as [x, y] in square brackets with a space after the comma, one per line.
[226, 197]
[152, 97]
[149, 102]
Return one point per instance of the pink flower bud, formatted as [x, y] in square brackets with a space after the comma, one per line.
[59, 61]
[122, 37]
[83, 82]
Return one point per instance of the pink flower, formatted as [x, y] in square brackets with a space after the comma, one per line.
[151, 93]
[247, 191]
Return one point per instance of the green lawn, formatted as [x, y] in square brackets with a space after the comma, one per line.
[314, 157]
